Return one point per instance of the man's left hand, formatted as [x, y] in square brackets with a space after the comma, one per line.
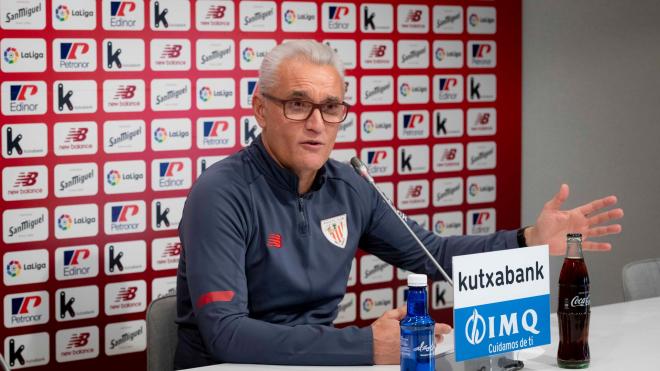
[553, 224]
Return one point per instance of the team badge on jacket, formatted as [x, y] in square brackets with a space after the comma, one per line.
[335, 230]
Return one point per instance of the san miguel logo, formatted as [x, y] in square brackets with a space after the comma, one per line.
[335, 230]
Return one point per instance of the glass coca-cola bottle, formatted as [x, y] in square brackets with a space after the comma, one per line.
[574, 307]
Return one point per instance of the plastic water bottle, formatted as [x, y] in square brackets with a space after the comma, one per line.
[417, 329]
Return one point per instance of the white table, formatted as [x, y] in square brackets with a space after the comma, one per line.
[623, 336]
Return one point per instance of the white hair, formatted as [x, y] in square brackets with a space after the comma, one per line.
[306, 50]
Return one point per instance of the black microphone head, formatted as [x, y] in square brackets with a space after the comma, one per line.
[357, 164]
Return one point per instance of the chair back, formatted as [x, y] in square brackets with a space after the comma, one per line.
[161, 334]
[641, 279]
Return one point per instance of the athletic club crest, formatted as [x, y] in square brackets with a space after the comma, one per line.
[336, 230]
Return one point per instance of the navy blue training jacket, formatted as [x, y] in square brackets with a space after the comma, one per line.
[259, 281]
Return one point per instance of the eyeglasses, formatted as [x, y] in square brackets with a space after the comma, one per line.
[301, 110]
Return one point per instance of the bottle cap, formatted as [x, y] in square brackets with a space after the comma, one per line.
[576, 236]
[417, 280]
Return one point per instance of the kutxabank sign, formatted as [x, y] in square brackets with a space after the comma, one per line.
[501, 301]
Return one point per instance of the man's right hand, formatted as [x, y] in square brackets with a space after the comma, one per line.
[387, 333]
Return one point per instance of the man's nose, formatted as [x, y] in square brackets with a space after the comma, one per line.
[315, 121]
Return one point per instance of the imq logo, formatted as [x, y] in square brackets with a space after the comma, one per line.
[23, 98]
[338, 17]
[123, 15]
[75, 303]
[169, 15]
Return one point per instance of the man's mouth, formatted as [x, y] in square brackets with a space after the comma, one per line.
[312, 143]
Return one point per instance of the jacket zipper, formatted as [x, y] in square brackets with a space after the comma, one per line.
[302, 224]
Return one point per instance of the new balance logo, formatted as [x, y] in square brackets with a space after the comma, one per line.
[26, 179]
[126, 294]
[76, 135]
[78, 340]
[274, 240]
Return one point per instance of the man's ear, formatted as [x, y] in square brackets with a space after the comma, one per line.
[259, 108]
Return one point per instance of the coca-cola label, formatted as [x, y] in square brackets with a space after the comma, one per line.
[579, 302]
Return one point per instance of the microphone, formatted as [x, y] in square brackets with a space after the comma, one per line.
[362, 170]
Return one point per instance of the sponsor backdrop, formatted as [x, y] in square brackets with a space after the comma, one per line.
[112, 109]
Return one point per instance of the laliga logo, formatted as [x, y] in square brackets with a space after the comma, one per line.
[160, 135]
[290, 16]
[440, 226]
[14, 268]
[475, 327]
[113, 177]
[248, 54]
[474, 189]
[440, 54]
[62, 13]
[205, 93]
[368, 304]
[405, 89]
[11, 55]
[474, 20]
[369, 126]
[65, 222]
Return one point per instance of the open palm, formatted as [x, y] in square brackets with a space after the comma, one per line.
[553, 224]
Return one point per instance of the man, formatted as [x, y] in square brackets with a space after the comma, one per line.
[269, 233]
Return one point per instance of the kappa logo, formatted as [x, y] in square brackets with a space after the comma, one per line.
[335, 230]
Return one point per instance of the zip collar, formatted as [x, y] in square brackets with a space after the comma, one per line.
[278, 175]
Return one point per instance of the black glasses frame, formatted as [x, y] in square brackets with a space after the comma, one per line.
[315, 106]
